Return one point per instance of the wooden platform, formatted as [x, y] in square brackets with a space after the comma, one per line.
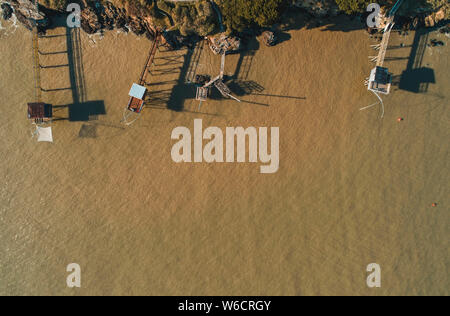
[202, 94]
[135, 105]
[223, 88]
[40, 111]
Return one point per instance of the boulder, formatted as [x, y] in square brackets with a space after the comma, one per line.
[429, 21]
[27, 9]
[7, 11]
[26, 13]
[90, 21]
[136, 26]
[435, 18]
[112, 17]
[440, 15]
[269, 38]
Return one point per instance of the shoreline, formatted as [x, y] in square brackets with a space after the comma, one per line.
[97, 18]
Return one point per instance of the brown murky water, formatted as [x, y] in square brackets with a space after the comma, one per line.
[352, 188]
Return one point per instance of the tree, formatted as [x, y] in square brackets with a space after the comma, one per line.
[353, 6]
[239, 14]
[358, 6]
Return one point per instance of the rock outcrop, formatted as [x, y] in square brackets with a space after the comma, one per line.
[107, 16]
[26, 13]
[143, 20]
[269, 38]
[7, 11]
[436, 17]
[89, 21]
[318, 8]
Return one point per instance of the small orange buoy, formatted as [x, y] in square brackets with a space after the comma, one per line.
[400, 119]
[434, 204]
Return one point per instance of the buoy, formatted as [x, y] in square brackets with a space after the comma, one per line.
[400, 119]
[434, 204]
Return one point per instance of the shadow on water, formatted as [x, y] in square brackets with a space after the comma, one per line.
[283, 37]
[241, 84]
[244, 87]
[246, 57]
[182, 90]
[171, 63]
[297, 18]
[80, 110]
[416, 78]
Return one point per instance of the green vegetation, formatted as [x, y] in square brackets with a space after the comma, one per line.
[196, 18]
[239, 14]
[409, 7]
[353, 6]
[435, 5]
[59, 5]
[201, 17]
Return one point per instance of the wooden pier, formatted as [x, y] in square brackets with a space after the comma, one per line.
[150, 59]
[384, 43]
[36, 67]
[138, 91]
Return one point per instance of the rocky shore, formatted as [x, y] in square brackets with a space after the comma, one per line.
[99, 16]
[7, 11]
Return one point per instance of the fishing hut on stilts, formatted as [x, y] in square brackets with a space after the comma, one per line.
[380, 79]
[204, 85]
[138, 90]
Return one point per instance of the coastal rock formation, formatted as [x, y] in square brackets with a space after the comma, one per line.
[107, 16]
[318, 7]
[434, 18]
[27, 13]
[112, 17]
[89, 21]
[187, 23]
[136, 25]
[7, 11]
[269, 38]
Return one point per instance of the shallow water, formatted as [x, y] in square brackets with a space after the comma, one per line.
[352, 188]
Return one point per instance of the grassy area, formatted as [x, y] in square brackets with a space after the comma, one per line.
[191, 18]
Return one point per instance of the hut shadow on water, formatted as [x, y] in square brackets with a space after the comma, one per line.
[241, 83]
[416, 78]
[169, 92]
[298, 18]
[182, 90]
[81, 109]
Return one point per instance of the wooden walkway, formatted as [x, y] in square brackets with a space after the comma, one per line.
[384, 44]
[36, 67]
[150, 59]
[192, 71]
